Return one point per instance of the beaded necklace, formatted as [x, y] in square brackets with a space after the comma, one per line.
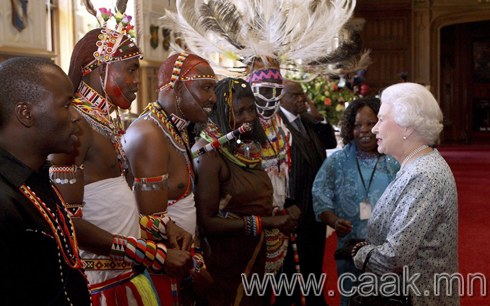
[275, 153]
[95, 109]
[174, 128]
[239, 157]
[67, 244]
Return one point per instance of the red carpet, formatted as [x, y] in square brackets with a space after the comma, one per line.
[471, 168]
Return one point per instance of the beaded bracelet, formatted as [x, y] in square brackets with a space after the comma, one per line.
[198, 262]
[357, 247]
[139, 251]
[64, 174]
[252, 225]
[155, 226]
[118, 247]
[75, 209]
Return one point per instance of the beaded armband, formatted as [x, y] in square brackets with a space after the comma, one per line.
[150, 183]
[252, 225]
[139, 251]
[64, 174]
[155, 226]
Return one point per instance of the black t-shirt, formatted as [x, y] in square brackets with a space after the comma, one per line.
[32, 269]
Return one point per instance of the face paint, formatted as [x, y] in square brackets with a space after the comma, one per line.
[267, 88]
[268, 96]
[121, 82]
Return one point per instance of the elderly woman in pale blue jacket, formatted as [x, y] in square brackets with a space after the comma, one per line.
[351, 181]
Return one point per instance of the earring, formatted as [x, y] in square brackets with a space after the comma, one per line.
[404, 137]
[177, 102]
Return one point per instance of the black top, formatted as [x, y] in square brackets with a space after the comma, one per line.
[307, 156]
[32, 270]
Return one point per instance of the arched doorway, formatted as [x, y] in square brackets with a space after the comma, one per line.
[465, 82]
[453, 39]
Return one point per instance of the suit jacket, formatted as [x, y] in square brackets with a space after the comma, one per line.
[307, 155]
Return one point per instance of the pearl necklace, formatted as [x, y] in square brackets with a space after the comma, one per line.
[413, 153]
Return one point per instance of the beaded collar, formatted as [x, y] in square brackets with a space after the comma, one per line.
[172, 125]
[95, 109]
[241, 156]
[65, 237]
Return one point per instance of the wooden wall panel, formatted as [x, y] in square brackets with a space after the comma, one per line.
[387, 32]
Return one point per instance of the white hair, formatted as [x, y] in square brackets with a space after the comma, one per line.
[415, 107]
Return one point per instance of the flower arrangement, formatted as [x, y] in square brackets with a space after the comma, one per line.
[329, 97]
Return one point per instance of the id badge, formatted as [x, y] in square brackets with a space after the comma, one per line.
[365, 210]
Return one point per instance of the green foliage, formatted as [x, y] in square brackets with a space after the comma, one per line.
[328, 97]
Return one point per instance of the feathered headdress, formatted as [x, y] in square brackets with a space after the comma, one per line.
[112, 44]
[297, 33]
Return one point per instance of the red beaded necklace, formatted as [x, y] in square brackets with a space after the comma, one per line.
[95, 109]
[58, 225]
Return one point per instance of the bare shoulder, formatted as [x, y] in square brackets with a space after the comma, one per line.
[209, 162]
[143, 136]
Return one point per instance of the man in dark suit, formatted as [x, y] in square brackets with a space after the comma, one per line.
[307, 154]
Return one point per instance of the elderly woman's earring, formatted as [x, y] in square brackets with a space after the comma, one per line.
[404, 137]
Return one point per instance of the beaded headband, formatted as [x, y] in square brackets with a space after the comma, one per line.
[113, 43]
[264, 74]
[177, 72]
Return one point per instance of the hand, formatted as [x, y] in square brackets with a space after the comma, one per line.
[294, 212]
[178, 238]
[312, 109]
[285, 223]
[342, 227]
[178, 263]
[202, 282]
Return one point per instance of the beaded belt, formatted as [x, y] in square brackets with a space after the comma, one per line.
[105, 264]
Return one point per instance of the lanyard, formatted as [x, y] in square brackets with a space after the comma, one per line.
[370, 179]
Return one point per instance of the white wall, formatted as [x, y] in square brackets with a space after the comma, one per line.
[33, 38]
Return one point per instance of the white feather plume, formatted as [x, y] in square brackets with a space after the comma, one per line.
[290, 31]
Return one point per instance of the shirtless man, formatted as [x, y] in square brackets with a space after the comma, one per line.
[158, 150]
[106, 78]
